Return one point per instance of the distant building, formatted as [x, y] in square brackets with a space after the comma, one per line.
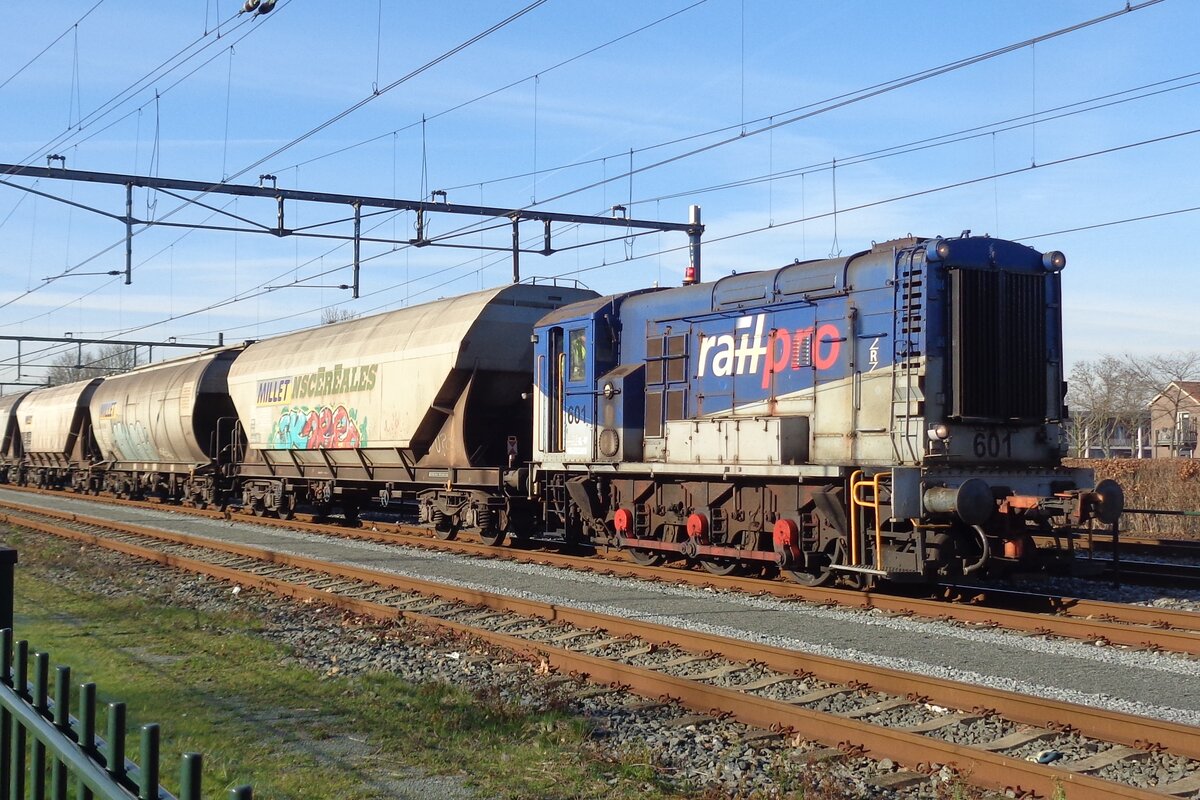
[1173, 416]
[1113, 438]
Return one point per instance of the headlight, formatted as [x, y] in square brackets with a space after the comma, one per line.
[1054, 261]
[938, 250]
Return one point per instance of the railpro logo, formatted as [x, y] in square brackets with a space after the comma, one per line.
[780, 350]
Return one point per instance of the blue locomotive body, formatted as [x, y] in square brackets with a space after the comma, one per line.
[897, 413]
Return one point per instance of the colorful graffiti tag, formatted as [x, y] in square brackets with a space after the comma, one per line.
[132, 442]
[311, 428]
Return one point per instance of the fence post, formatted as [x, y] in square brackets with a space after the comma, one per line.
[41, 695]
[20, 684]
[62, 719]
[8, 561]
[189, 776]
[148, 785]
[87, 730]
[6, 642]
[115, 757]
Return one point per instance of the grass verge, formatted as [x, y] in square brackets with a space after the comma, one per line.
[217, 687]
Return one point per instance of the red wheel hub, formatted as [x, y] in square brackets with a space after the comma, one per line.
[697, 527]
[623, 520]
[786, 535]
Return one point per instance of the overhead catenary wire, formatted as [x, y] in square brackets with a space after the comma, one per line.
[119, 99]
[942, 188]
[771, 226]
[825, 106]
[808, 218]
[630, 177]
[399, 81]
[330, 121]
[497, 90]
[816, 107]
[838, 100]
[73, 27]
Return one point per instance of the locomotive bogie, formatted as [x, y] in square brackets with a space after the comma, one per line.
[487, 514]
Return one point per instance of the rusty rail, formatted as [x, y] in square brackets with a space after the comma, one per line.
[1143, 627]
[905, 748]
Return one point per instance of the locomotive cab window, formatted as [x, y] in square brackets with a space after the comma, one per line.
[578, 355]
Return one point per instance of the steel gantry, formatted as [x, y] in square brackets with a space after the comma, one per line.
[355, 203]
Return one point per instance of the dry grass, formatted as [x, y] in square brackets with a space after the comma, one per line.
[1153, 483]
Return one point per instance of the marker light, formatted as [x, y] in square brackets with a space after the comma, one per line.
[1054, 261]
[938, 250]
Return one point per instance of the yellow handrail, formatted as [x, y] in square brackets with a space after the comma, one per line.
[854, 476]
[857, 501]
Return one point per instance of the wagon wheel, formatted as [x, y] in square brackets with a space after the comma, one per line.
[644, 557]
[443, 527]
[720, 566]
[493, 536]
[647, 558]
[287, 506]
[724, 566]
[834, 552]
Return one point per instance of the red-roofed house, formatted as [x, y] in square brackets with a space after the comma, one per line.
[1174, 413]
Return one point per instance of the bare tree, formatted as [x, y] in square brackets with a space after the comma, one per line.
[1108, 399]
[333, 314]
[81, 364]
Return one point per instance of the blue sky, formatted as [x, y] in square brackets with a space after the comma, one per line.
[667, 78]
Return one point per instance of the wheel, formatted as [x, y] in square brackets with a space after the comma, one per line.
[647, 558]
[443, 528]
[833, 553]
[727, 566]
[492, 536]
[720, 566]
[287, 506]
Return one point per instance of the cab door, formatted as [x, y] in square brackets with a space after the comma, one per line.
[578, 408]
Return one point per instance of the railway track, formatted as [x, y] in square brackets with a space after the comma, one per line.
[1187, 548]
[1125, 625]
[1153, 573]
[846, 708]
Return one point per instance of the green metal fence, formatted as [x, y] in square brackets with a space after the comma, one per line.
[45, 752]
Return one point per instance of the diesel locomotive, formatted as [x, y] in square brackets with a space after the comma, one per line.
[897, 414]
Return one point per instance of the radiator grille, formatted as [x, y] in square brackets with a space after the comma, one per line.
[998, 324]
